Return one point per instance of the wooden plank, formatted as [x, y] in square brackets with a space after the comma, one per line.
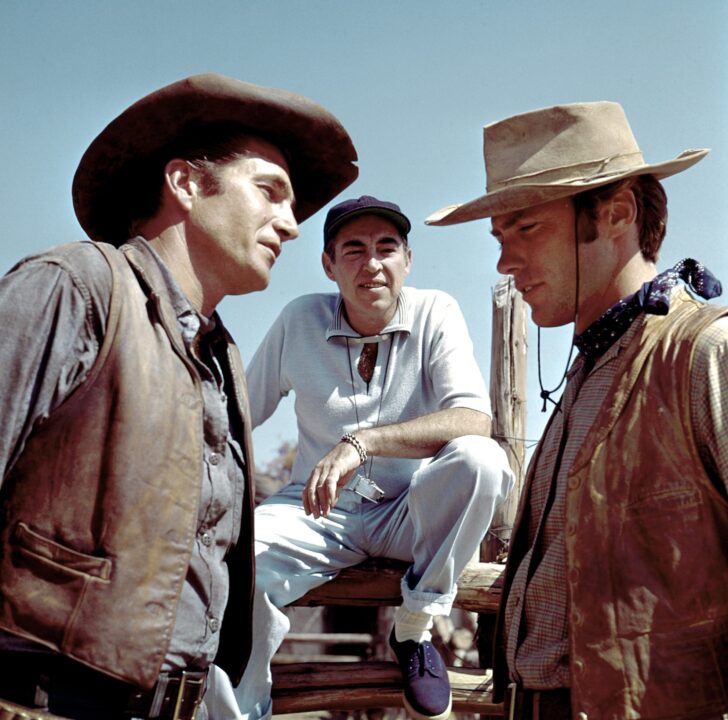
[509, 349]
[479, 587]
[316, 676]
[361, 686]
[284, 658]
[377, 582]
[373, 582]
[332, 638]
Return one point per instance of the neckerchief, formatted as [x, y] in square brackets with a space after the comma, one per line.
[653, 298]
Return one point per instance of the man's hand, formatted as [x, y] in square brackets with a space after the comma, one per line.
[331, 473]
[417, 438]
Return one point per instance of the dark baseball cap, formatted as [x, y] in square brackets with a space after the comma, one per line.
[364, 205]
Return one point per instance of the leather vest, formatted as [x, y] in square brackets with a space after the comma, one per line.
[646, 551]
[99, 512]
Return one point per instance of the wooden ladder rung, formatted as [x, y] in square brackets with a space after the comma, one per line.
[376, 582]
[365, 685]
[330, 638]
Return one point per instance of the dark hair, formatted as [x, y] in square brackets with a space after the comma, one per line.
[204, 149]
[651, 211]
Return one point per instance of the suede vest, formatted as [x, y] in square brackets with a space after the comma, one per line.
[646, 549]
[99, 512]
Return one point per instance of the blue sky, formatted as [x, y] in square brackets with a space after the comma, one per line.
[413, 81]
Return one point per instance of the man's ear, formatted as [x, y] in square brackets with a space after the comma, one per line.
[619, 212]
[327, 263]
[180, 182]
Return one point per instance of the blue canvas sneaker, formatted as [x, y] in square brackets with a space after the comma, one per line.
[426, 685]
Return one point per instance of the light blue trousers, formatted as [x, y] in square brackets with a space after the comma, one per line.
[437, 525]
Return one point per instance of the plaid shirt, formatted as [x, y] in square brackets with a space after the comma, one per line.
[536, 614]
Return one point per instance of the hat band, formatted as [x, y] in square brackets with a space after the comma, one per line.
[576, 173]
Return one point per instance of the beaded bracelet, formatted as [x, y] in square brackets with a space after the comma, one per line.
[351, 440]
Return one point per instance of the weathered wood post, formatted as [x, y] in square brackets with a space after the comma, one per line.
[508, 396]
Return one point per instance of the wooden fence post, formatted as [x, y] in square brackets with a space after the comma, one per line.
[508, 395]
[509, 347]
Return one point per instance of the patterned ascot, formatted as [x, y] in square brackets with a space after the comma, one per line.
[653, 297]
[367, 361]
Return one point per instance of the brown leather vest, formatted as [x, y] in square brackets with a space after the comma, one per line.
[646, 550]
[99, 512]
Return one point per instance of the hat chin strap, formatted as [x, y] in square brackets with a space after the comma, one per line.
[546, 394]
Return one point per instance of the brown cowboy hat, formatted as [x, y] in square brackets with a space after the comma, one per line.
[556, 152]
[319, 151]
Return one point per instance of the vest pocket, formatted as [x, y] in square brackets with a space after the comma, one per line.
[33, 545]
[681, 504]
[44, 584]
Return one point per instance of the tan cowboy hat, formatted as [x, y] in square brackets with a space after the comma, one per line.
[555, 152]
[319, 151]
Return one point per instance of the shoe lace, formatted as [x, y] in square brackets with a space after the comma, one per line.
[421, 661]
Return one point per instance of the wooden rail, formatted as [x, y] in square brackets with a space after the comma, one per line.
[368, 685]
[377, 582]
[302, 687]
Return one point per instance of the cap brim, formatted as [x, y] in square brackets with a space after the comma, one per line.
[320, 152]
[522, 196]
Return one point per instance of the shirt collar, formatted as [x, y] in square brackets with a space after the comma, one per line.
[652, 298]
[190, 321]
[400, 322]
[589, 363]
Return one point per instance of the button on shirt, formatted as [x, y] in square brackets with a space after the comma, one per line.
[204, 595]
[64, 311]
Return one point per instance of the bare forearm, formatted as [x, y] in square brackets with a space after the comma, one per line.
[423, 436]
[418, 438]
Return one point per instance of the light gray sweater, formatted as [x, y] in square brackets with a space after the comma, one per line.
[425, 363]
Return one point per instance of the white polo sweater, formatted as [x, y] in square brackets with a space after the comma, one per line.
[425, 363]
